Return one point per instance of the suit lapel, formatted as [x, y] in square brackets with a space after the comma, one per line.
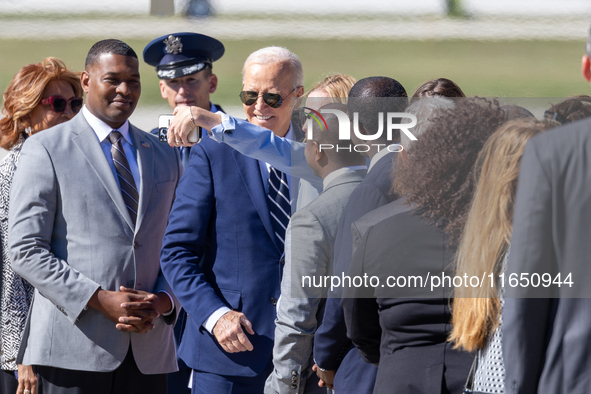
[87, 142]
[251, 175]
[145, 162]
[294, 190]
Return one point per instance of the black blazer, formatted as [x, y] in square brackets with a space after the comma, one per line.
[404, 329]
[332, 349]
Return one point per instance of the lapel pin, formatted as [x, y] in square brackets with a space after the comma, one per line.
[145, 144]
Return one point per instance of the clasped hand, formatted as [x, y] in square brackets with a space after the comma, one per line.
[131, 310]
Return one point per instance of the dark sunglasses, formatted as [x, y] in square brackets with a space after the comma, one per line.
[273, 100]
[59, 104]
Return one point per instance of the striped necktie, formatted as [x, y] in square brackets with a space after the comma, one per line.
[279, 204]
[126, 182]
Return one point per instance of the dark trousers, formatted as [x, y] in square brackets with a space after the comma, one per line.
[178, 382]
[127, 379]
[209, 383]
[8, 382]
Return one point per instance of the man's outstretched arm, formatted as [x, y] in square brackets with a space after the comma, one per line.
[250, 140]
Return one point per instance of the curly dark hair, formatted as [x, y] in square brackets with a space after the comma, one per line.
[438, 175]
[570, 109]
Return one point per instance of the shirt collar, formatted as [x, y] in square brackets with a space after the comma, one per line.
[289, 134]
[287, 137]
[102, 130]
[383, 152]
[337, 173]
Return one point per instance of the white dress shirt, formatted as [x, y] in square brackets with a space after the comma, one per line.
[102, 131]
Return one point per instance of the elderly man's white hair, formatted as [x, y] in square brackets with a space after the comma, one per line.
[278, 55]
[424, 109]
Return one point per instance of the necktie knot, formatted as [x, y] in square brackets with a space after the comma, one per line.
[114, 136]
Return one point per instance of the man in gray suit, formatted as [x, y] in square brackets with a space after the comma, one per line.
[547, 330]
[309, 245]
[89, 206]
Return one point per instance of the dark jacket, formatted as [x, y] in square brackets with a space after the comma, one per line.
[404, 328]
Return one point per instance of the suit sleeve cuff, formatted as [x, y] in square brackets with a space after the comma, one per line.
[227, 126]
[214, 317]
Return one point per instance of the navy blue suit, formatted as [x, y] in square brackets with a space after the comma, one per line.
[220, 250]
[332, 349]
[177, 382]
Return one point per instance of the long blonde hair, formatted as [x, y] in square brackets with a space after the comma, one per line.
[337, 86]
[487, 233]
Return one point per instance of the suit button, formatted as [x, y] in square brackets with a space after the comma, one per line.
[294, 386]
[283, 261]
[273, 301]
[294, 379]
[136, 245]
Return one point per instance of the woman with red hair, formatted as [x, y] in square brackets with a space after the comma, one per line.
[39, 96]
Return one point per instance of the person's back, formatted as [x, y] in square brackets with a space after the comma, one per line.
[414, 352]
[545, 339]
[331, 342]
[400, 323]
[542, 338]
[308, 256]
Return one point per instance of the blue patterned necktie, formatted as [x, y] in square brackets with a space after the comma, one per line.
[126, 182]
[279, 203]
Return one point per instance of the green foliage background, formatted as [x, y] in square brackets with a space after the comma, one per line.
[485, 68]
